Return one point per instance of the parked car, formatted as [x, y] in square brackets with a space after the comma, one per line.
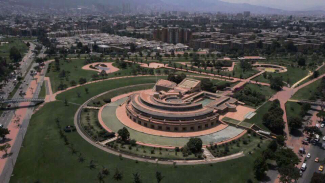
[324, 138]
[308, 155]
[322, 125]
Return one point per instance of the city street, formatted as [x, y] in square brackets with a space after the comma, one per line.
[312, 166]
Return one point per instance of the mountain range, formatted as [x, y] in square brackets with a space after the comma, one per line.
[163, 5]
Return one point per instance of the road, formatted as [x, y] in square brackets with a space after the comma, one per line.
[18, 143]
[312, 166]
[9, 114]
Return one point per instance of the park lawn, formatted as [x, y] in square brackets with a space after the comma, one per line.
[45, 158]
[152, 152]
[265, 90]
[293, 75]
[103, 86]
[257, 119]
[74, 66]
[230, 120]
[247, 143]
[42, 93]
[100, 100]
[18, 43]
[12, 93]
[307, 92]
[293, 109]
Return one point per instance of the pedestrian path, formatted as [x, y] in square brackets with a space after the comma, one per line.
[207, 154]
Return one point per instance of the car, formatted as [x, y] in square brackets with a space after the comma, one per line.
[1, 125]
[321, 168]
[324, 138]
[317, 160]
[308, 155]
[322, 125]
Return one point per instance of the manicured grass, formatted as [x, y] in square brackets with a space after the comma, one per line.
[247, 143]
[307, 92]
[74, 72]
[75, 69]
[230, 120]
[44, 156]
[293, 75]
[100, 87]
[265, 90]
[151, 152]
[293, 109]
[12, 93]
[100, 100]
[258, 118]
[42, 93]
[18, 43]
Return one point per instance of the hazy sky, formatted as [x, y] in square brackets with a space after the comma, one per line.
[284, 4]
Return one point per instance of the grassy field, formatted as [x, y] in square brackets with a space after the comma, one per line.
[42, 93]
[5, 48]
[307, 92]
[46, 158]
[293, 75]
[265, 90]
[293, 109]
[100, 100]
[100, 87]
[247, 143]
[258, 118]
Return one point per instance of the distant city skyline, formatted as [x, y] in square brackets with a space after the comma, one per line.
[285, 4]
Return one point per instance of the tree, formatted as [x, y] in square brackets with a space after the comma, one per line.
[277, 83]
[159, 177]
[14, 54]
[295, 123]
[124, 134]
[117, 175]
[194, 145]
[315, 74]
[5, 148]
[4, 132]
[317, 178]
[289, 173]
[65, 102]
[136, 178]
[302, 61]
[260, 167]
[207, 85]
[285, 157]
[311, 130]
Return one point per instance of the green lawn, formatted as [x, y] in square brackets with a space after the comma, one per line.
[45, 158]
[258, 118]
[18, 43]
[307, 92]
[293, 109]
[42, 93]
[100, 100]
[293, 75]
[246, 144]
[230, 120]
[265, 90]
[12, 93]
[101, 87]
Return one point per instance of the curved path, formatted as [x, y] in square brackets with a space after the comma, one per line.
[170, 162]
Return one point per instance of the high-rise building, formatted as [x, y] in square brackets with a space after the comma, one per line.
[247, 13]
[173, 35]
